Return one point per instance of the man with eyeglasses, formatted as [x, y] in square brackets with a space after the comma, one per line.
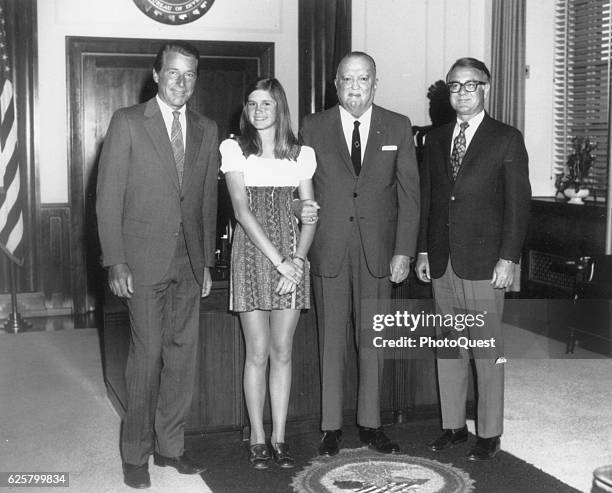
[475, 197]
[367, 185]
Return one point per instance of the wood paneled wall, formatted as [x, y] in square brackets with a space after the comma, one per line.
[55, 258]
[409, 391]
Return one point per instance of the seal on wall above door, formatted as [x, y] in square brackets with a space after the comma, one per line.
[174, 11]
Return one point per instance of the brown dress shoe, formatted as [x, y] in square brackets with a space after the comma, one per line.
[485, 449]
[183, 464]
[376, 439]
[136, 476]
[449, 439]
[330, 442]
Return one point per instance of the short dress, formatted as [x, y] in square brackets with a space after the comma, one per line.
[270, 184]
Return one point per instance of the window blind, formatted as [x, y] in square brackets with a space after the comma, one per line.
[582, 83]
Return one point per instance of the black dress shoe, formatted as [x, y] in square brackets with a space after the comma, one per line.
[259, 456]
[377, 440]
[485, 449]
[183, 464]
[330, 442]
[282, 456]
[136, 476]
[449, 438]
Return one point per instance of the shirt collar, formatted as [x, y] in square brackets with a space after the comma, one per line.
[346, 117]
[167, 111]
[474, 122]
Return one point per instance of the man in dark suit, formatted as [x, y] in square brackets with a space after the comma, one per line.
[367, 187]
[474, 214]
[157, 206]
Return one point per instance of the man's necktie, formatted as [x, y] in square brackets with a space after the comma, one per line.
[178, 148]
[458, 149]
[356, 148]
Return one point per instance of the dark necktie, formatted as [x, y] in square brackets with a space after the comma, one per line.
[458, 149]
[356, 148]
[178, 149]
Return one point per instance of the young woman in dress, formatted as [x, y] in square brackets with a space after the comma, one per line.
[269, 272]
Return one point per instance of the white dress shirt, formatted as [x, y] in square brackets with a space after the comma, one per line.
[168, 117]
[474, 123]
[348, 120]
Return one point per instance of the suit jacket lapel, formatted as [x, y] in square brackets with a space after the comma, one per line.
[374, 143]
[156, 128]
[194, 141]
[341, 140]
[447, 145]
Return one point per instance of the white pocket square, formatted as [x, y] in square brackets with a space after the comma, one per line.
[388, 148]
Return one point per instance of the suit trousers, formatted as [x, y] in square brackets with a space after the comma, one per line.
[160, 371]
[338, 302]
[453, 295]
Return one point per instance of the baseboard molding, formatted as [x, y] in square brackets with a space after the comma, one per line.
[32, 305]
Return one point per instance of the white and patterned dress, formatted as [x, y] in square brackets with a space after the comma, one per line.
[270, 184]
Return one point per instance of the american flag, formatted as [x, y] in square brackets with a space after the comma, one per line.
[11, 213]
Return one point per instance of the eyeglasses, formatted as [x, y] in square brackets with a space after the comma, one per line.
[470, 85]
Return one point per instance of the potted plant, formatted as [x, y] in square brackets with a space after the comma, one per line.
[572, 181]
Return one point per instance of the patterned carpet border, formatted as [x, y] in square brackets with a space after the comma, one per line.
[364, 471]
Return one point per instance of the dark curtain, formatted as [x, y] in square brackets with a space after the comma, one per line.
[507, 102]
[324, 38]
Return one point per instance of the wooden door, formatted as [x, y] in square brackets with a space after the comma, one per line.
[107, 74]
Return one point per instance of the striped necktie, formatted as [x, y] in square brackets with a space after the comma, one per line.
[178, 149]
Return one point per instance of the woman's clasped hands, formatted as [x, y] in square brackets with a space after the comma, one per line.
[291, 271]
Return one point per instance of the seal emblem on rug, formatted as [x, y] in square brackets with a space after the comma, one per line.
[361, 470]
[174, 11]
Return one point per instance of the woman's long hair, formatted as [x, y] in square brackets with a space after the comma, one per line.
[285, 142]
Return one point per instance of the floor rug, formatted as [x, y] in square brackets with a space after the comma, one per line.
[228, 470]
[362, 470]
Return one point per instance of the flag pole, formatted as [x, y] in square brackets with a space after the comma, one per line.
[608, 241]
[11, 207]
[14, 323]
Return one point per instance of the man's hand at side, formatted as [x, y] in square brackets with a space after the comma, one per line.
[120, 280]
[503, 274]
[400, 267]
[422, 268]
[206, 282]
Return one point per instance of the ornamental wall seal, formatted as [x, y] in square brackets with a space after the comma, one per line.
[174, 11]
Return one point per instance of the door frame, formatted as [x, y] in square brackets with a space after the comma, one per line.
[78, 50]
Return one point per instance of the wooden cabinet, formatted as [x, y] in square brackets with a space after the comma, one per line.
[560, 231]
[218, 403]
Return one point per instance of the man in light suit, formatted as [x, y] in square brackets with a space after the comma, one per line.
[156, 206]
[474, 215]
[367, 187]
